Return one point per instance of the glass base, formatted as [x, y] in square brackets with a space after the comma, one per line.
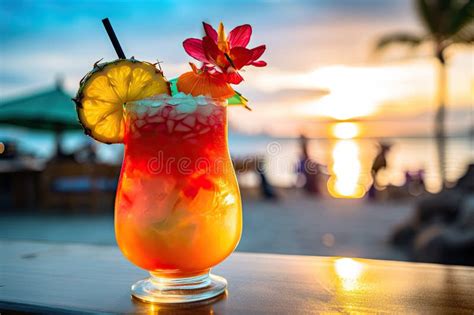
[179, 290]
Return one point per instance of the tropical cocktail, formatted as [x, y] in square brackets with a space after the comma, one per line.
[178, 208]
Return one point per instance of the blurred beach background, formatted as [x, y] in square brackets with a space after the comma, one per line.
[324, 80]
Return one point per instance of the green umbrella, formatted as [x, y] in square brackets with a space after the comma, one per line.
[50, 110]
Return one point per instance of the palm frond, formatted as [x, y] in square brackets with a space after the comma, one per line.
[465, 35]
[430, 19]
[407, 39]
[462, 17]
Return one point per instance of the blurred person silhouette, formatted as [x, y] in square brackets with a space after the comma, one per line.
[415, 182]
[308, 169]
[266, 188]
[379, 163]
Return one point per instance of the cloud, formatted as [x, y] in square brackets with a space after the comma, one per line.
[290, 95]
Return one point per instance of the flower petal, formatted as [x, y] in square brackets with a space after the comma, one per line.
[194, 48]
[258, 51]
[213, 53]
[240, 36]
[241, 57]
[259, 63]
[210, 31]
[204, 83]
[234, 78]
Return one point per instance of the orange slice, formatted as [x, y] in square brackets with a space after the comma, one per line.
[104, 91]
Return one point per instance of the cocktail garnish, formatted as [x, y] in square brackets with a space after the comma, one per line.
[104, 91]
[222, 57]
[205, 81]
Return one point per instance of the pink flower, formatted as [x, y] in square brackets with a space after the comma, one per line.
[227, 53]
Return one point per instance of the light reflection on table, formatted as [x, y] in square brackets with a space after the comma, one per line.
[349, 272]
[258, 284]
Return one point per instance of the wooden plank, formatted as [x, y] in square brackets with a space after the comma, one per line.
[70, 278]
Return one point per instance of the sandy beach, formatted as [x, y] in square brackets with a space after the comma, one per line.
[293, 225]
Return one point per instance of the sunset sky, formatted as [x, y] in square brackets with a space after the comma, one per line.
[321, 64]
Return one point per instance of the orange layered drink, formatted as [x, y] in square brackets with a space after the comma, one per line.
[178, 210]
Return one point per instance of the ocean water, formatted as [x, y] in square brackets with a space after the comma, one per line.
[347, 162]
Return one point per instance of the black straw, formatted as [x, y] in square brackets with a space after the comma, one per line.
[113, 38]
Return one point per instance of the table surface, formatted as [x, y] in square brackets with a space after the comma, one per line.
[75, 278]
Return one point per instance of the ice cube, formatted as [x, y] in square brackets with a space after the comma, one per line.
[153, 111]
[182, 128]
[189, 135]
[170, 125]
[186, 107]
[166, 111]
[172, 114]
[218, 111]
[190, 121]
[202, 119]
[180, 116]
[174, 101]
[179, 98]
[205, 110]
[204, 130]
[145, 102]
[201, 100]
[156, 119]
[135, 132]
[141, 111]
[140, 123]
[156, 103]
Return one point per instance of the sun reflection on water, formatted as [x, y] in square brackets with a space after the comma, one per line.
[346, 164]
[345, 171]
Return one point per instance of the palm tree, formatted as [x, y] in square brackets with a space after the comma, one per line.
[446, 22]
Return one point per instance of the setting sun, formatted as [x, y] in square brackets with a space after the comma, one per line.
[351, 92]
[345, 130]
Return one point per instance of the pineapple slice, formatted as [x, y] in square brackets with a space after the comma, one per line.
[104, 91]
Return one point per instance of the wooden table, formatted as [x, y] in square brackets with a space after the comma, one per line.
[72, 278]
